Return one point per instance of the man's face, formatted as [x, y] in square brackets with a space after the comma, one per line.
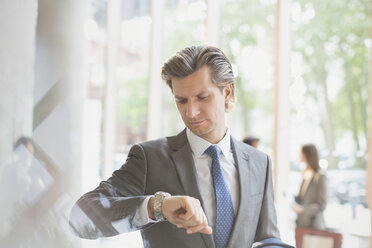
[202, 104]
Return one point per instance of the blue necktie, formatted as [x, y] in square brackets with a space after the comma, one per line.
[224, 206]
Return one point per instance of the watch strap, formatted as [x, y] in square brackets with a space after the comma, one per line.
[158, 205]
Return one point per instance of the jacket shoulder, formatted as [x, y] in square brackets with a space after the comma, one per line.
[249, 150]
[161, 145]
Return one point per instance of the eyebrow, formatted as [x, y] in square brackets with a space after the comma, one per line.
[201, 93]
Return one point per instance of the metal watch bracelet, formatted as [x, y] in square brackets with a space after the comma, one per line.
[158, 204]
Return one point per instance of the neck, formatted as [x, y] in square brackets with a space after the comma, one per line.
[216, 138]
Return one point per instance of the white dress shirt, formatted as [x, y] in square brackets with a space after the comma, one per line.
[203, 164]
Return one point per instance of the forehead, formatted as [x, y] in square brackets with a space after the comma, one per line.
[194, 84]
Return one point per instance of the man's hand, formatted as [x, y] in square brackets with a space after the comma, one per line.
[183, 212]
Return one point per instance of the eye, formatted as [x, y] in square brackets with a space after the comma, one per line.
[202, 97]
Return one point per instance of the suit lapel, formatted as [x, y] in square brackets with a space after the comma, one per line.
[242, 162]
[182, 157]
[186, 171]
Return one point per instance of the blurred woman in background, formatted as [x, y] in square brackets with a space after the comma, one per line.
[312, 197]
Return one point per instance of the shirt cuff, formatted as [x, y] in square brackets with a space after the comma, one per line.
[141, 217]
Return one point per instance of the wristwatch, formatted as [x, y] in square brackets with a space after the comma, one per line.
[158, 204]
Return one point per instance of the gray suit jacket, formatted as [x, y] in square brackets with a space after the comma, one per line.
[314, 202]
[167, 165]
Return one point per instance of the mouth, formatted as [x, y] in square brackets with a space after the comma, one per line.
[196, 123]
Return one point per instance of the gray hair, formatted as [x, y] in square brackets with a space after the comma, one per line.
[190, 59]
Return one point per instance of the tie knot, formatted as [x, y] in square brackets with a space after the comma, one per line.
[213, 151]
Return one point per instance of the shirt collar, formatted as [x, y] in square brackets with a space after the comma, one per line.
[199, 145]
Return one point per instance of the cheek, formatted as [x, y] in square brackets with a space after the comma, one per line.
[212, 110]
[220, 107]
[181, 111]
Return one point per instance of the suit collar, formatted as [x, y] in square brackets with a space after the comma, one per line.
[177, 142]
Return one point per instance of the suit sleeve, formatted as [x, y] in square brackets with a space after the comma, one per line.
[110, 209]
[267, 223]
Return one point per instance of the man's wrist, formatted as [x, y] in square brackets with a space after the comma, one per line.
[150, 208]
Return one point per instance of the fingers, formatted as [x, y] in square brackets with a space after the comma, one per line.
[186, 212]
[206, 230]
[191, 208]
[194, 219]
[200, 228]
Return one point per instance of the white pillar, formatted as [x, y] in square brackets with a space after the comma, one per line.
[110, 106]
[155, 84]
[212, 23]
[281, 106]
[58, 101]
[17, 46]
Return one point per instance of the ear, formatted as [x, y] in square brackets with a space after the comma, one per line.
[227, 92]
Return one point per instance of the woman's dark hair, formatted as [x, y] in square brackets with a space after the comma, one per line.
[311, 155]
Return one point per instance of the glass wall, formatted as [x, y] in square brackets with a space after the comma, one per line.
[328, 101]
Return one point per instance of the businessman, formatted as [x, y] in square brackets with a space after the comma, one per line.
[200, 188]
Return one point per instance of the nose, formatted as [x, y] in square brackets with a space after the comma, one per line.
[192, 109]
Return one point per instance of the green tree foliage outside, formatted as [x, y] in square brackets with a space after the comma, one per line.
[247, 27]
[331, 37]
[132, 107]
[335, 35]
